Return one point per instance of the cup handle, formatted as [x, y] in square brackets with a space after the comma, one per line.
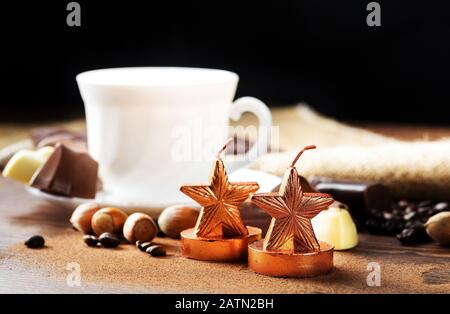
[262, 112]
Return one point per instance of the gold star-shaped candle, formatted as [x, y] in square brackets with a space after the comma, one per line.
[290, 248]
[219, 234]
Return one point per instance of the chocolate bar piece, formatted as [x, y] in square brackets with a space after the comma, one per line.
[361, 197]
[68, 173]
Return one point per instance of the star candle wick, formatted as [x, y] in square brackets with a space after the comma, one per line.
[290, 240]
[224, 147]
[300, 153]
[220, 233]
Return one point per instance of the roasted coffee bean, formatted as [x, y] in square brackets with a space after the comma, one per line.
[407, 236]
[424, 203]
[388, 215]
[90, 240]
[402, 204]
[109, 240]
[34, 242]
[409, 216]
[156, 251]
[404, 219]
[423, 210]
[144, 246]
[410, 209]
[442, 206]
[413, 224]
[414, 235]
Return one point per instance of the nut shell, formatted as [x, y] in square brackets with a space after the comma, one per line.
[108, 219]
[438, 228]
[177, 218]
[82, 216]
[139, 227]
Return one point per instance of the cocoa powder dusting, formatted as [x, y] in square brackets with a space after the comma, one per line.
[127, 269]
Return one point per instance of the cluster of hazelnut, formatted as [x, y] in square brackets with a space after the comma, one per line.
[109, 226]
[104, 227]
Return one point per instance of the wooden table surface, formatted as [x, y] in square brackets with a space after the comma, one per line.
[22, 215]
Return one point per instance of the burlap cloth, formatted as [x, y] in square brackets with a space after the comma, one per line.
[412, 170]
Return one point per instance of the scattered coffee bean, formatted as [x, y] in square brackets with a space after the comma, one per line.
[402, 204]
[414, 235]
[404, 219]
[410, 209]
[109, 240]
[90, 240]
[36, 241]
[423, 210]
[409, 215]
[442, 206]
[409, 223]
[144, 246]
[424, 203]
[156, 251]
[388, 215]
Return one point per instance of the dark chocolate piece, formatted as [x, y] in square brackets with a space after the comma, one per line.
[69, 173]
[362, 198]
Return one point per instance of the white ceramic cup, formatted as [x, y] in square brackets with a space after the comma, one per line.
[142, 121]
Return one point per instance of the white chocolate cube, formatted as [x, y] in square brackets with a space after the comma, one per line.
[336, 226]
[25, 163]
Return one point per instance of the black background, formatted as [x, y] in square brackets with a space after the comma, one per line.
[321, 52]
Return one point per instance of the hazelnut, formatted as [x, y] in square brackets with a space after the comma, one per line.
[139, 227]
[177, 218]
[438, 228]
[108, 219]
[82, 215]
